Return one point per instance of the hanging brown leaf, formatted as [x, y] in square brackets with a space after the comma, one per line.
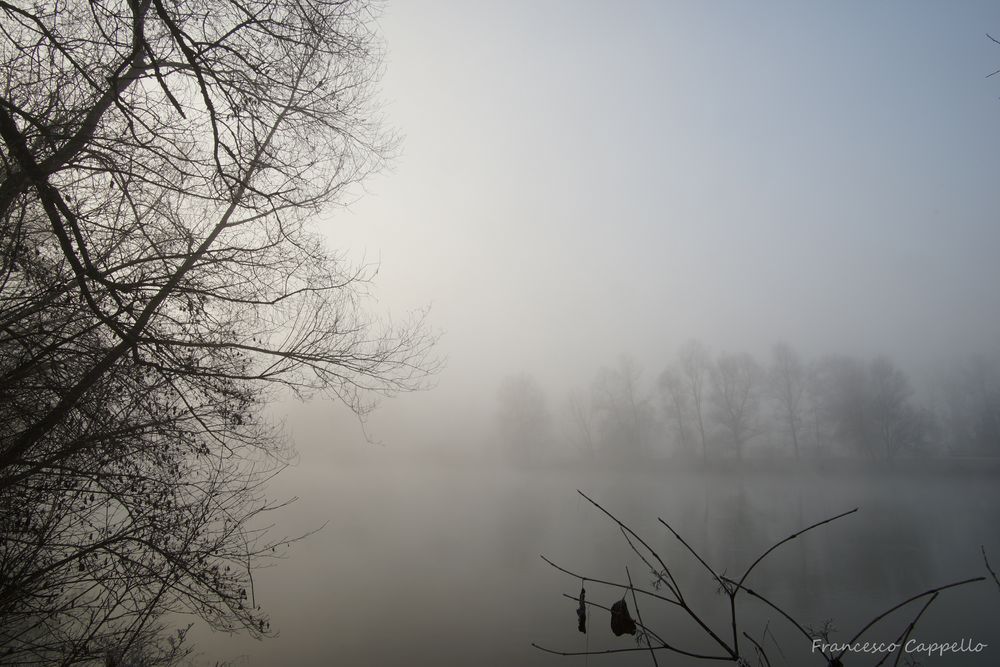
[621, 622]
[581, 612]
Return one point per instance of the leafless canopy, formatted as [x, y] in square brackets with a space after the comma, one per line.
[161, 164]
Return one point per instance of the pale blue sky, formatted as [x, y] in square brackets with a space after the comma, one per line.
[580, 180]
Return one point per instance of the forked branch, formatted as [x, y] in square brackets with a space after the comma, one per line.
[732, 588]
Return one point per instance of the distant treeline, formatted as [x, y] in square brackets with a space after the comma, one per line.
[729, 406]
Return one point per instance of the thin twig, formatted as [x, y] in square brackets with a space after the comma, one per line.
[995, 41]
[987, 561]
[901, 639]
[932, 591]
[608, 583]
[690, 612]
[734, 650]
[671, 584]
[663, 645]
[650, 632]
[694, 553]
[789, 539]
[638, 614]
[625, 528]
[725, 658]
[788, 617]
[760, 649]
[774, 640]
[733, 590]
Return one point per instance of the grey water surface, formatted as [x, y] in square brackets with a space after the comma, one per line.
[440, 564]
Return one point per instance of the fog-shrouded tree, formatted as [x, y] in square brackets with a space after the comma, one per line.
[624, 415]
[160, 280]
[523, 417]
[736, 386]
[899, 425]
[970, 407]
[818, 428]
[786, 386]
[677, 409]
[869, 407]
[695, 365]
[581, 421]
[843, 391]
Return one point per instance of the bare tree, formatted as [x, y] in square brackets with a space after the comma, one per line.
[736, 381]
[817, 429]
[695, 367]
[159, 279]
[786, 385]
[843, 391]
[624, 414]
[582, 420]
[523, 416]
[870, 408]
[970, 407]
[677, 406]
[899, 425]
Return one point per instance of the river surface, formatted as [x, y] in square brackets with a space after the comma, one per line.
[440, 564]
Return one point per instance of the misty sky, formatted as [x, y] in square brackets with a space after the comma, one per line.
[582, 180]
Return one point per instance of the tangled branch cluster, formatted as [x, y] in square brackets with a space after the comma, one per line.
[734, 643]
[161, 164]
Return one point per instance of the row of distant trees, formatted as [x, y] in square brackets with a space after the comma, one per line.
[732, 404]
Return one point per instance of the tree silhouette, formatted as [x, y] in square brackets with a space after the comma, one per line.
[159, 280]
[695, 366]
[523, 417]
[622, 411]
[736, 380]
[786, 384]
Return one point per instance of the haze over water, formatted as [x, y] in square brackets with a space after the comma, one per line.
[586, 182]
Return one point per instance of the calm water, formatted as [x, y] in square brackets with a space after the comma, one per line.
[439, 565]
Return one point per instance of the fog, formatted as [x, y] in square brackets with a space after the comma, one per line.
[588, 186]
